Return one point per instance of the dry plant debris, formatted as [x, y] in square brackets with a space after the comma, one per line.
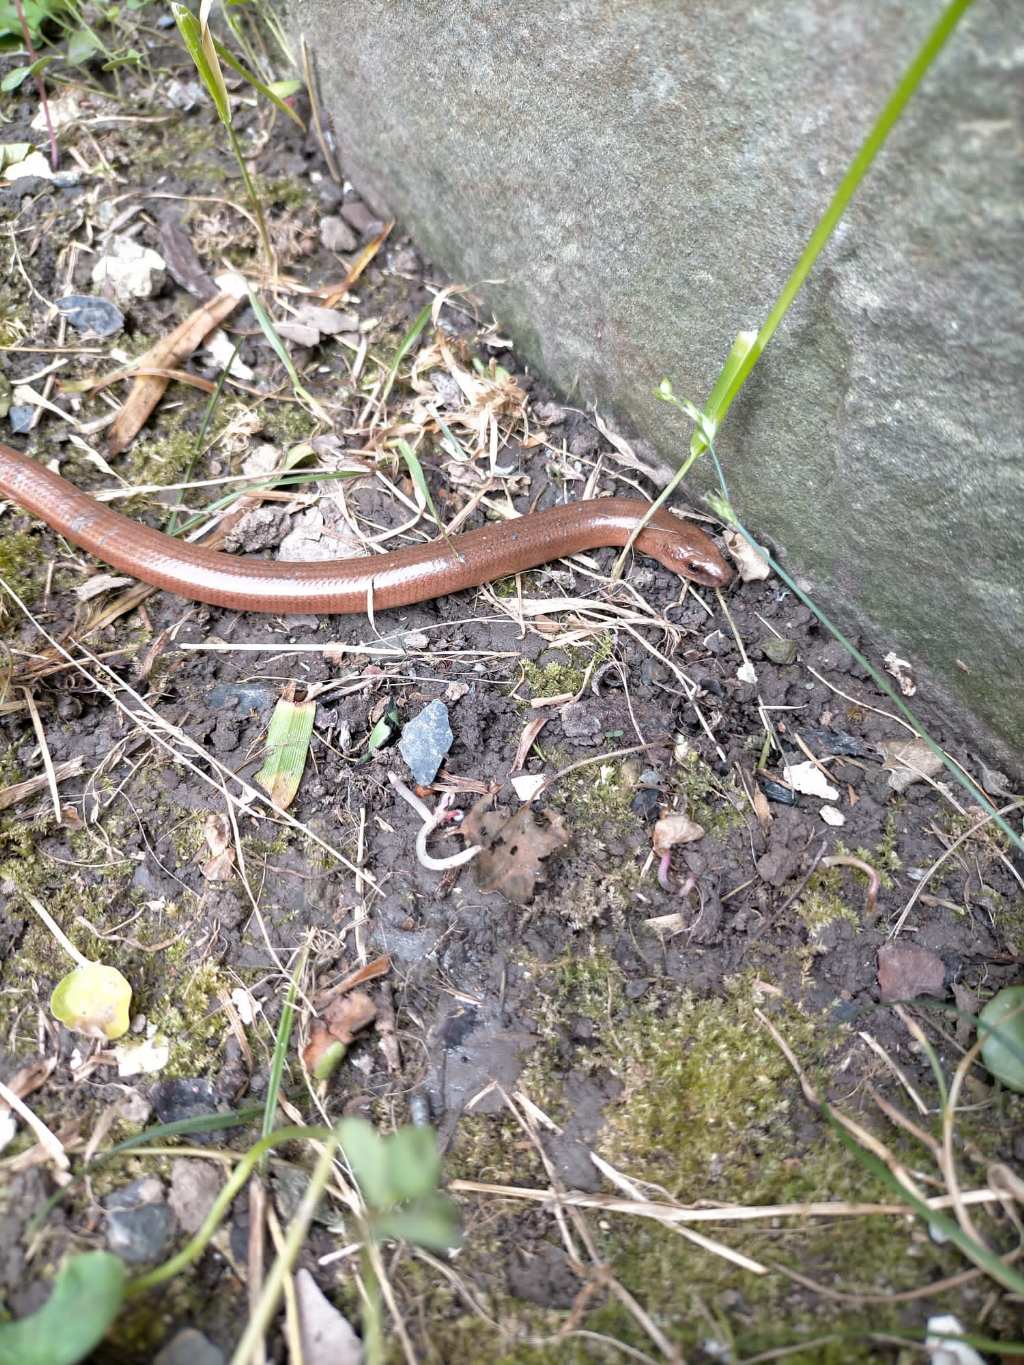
[514, 847]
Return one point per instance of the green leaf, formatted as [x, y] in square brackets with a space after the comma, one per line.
[291, 726]
[268, 91]
[94, 1000]
[278, 346]
[285, 89]
[408, 341]
[419, 478]
[382, 733]
[719, 399]
[201, 50]
[414, 1164]
[86, 1297]
[37, 12]
[13, 152]
[21, 73]
[431, 1222]
[364, 1149]
[1001, 1027]
[81, 46]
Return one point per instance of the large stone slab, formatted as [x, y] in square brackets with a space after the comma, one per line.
[642, 176]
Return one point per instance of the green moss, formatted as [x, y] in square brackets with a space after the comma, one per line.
[162, 459]
[1008, 918]
[556, 678]
[714, 803]
[20, 558]
[184, 1014]
[705, 1114]
[822, 901]
[598, 797]
[286, 424]
[283, 192]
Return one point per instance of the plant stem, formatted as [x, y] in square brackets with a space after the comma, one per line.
[26, 37]
[195, 1247]
[57, 932]
[373, 1326]
[254, 199]
[294, 1238]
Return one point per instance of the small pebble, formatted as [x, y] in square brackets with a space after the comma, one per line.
[425, 742]
[579, 721]
[778, 651]
[336, 235]
[189, 1348]
[91, 316]
[139, 1223]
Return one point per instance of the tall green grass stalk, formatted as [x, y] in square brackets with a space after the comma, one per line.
[747, 350]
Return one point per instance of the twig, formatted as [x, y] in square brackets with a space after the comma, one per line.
[47, 1139]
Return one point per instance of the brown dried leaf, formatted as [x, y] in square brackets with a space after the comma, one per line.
[751, 566]
[346, 1015]
[217, 833]
[676, 829]
[168, 353]
[513, 848]
[320, 1041]
[762, 809]
[908, 971]
[341, 1021]
[28, 1078]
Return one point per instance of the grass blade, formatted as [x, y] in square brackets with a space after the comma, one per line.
[728, 385]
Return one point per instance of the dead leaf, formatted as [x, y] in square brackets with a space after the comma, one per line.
[346, 1015]
[100, 582]
[751, 564]
[908, 971]
[676, 829]
[28, 1078]
[217, 833]
[380, 966]
[901, 670]
[168, 353]
[334, 293]
[762, 809]
[908, 760]
[340, 1022]
[514, 848]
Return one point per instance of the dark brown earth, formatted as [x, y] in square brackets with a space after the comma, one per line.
[531, 1035]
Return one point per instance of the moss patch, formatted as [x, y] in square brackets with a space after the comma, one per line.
[20, 558]
[706, 1112]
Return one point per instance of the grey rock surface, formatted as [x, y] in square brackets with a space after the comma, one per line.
[190, 1348]
[425, 741]
[642, 177]
[139, 1223]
